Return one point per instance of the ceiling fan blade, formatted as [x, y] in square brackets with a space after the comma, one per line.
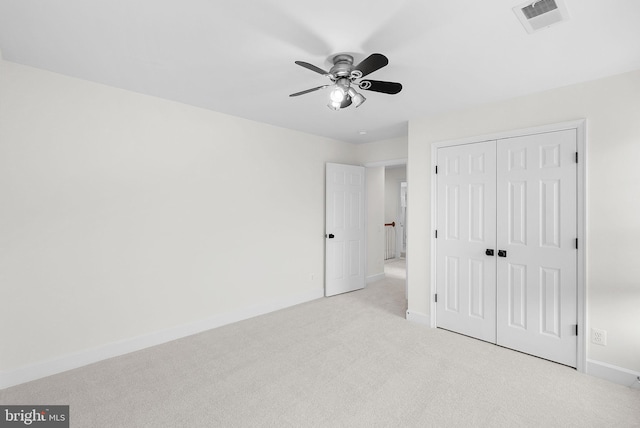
[380, 86]
[308, 90]
[372, 63]
[312, 67]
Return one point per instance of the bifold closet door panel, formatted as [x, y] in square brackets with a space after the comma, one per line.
[466, 224]
[537, 228]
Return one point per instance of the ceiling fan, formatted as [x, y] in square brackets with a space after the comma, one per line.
[344, 76]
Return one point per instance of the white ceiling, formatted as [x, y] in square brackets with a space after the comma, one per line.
[237, 57]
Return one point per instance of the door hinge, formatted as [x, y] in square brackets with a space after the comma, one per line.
[436, 233]
[576, 329]
[576, 157]
[436, 297]
[576, 243]
[436, 169]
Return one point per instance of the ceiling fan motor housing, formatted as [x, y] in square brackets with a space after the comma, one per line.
[343, 65]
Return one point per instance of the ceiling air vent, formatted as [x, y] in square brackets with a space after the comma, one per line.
[541, 14]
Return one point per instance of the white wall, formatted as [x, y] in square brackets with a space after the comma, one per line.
[612, 109]
[383, 150]
[375, 222]
[124, 214]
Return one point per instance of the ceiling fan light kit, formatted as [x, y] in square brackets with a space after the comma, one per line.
[344, 76]
[339, 91]
[356, 98]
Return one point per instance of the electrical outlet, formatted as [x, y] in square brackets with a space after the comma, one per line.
[599, 337]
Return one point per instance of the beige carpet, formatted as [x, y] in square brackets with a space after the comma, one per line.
[395, 268]
[347, 361]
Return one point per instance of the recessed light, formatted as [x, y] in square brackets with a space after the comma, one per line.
[363, 132]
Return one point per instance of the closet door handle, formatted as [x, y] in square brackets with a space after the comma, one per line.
[502, 253]
[489, 252]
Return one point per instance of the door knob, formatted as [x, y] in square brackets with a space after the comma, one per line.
[502, 253]
[489, 252]
[330, 236]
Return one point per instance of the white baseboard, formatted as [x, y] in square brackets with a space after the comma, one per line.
[374, 278]
[78, 359]
[419, 318]
[613, 373]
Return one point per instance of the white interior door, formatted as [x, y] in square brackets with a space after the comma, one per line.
[536, 275]
[345, 229]
[518, 197]
[465, 273]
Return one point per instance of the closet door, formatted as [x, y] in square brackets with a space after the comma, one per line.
[536, 273]
[466, 219]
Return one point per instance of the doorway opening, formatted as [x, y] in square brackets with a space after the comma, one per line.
[395, 214]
